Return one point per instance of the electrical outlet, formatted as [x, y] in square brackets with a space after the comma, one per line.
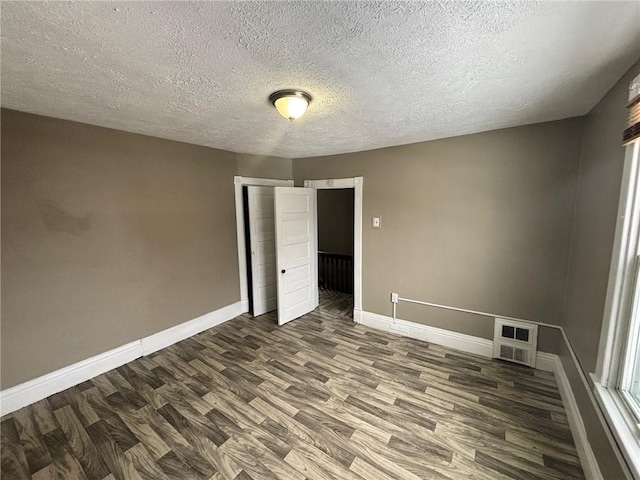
[376, 222]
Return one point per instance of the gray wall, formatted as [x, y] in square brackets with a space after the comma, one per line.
[261, 166]
[609, 466]
[479, 221]
[335, 220]
[594, 225]
[107, 237]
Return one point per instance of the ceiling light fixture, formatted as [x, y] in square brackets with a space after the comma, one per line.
[290, 104]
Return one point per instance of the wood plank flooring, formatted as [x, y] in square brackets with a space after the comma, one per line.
[319, 398]
[336, 303]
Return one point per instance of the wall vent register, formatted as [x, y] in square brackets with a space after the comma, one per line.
[515, 341]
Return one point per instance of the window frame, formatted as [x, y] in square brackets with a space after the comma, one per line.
[630, 358]
[623, 302]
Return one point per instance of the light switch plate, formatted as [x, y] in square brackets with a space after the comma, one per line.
[376, 222]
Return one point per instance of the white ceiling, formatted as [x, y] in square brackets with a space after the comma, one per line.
[381, 73]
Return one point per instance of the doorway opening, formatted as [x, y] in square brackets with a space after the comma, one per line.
[335, 250]
[245, 250]
[353, 203]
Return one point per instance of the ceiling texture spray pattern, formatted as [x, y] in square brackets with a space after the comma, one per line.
[381, 73]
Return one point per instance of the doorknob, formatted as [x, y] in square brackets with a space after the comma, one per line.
[283, 271]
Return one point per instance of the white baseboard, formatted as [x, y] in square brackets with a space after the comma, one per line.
[244, 305]
[439, 336]
[172, 335]
[578, 430]
[15, 398]
[20, 396]
[459, 341]
[548, 362]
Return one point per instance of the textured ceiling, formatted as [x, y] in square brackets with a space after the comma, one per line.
[381, 73]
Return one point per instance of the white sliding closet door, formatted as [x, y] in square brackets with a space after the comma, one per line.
[263, 249]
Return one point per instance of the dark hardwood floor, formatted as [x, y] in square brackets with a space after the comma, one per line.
[318, 398]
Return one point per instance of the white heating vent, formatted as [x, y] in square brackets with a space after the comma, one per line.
[515, 341]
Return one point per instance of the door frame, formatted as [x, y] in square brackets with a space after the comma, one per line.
[240, 182]
[355, 183]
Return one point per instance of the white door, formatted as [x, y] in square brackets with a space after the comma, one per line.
[263, 249]
[296, 252]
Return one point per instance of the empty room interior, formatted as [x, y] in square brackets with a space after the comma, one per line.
[320, 240]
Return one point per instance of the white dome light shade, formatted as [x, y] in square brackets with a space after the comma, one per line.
[291, 107]
[290, 104]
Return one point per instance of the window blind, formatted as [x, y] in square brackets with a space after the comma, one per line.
[632, 132]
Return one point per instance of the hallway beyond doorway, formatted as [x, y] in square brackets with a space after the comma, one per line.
[336, 303]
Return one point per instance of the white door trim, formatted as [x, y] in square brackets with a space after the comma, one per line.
[239, 182]
[355, 183]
